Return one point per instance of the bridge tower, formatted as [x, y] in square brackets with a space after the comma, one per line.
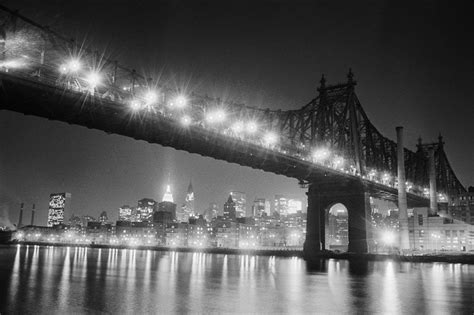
[322, 195]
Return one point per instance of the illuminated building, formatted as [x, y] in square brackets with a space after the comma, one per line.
[428, 232]
[187, 210]
[177, 234]
[227, 234]
[229, 209]
[58, 204]
[167, 205]
[462, 206]
[281, 205]
[145, 209]
[125, 213]
[240, 200]
[294, 205]
[260, 207]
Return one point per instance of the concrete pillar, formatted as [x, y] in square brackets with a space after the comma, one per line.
[432, 174]
[358, 208]
[20, 219]
[312, 244]
[33, 215]
[404, 241]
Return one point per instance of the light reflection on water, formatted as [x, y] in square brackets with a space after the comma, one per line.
[64, 280]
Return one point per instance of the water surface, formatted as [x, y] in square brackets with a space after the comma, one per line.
[38, 279]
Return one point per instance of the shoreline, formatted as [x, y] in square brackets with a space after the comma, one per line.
[467, 258]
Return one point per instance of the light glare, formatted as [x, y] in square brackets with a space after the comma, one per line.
[270, 138]
[93, 79]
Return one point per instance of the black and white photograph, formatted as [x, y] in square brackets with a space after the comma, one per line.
[236, 157]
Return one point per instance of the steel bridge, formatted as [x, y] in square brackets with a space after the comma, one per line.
[329, 144]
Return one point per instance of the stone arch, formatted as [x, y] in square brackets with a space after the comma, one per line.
[336, 227]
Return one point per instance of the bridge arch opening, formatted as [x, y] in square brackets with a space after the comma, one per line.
[337, 227]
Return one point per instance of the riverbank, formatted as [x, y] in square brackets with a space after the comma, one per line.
[461, 258]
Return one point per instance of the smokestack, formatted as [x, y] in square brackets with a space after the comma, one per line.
[432, 173]
[20, 219]
[402, 193]
[33, 215]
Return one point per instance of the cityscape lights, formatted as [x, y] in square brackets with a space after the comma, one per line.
[135, 105]
[238, 127]
[388, 237]
[252, 127]
[179, 101]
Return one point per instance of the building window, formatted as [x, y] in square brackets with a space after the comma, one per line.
[420, 219]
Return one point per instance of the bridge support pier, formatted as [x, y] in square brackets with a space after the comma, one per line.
[321, 196]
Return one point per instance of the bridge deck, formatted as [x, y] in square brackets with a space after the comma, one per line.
[35, 98]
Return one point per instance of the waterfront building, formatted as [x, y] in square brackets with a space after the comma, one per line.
[240, 200]
[177, 234]
[59, 203]
[227, 234]
[430, 233]
[462, 206]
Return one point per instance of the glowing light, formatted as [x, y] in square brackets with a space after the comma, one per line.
[237, 127]
[216, 116]
[320, 154]
[135, 105]
[252, 127]
[338, 161]
[179, 101]
[12, 64]
[73, 65]
[93, 79]
[186, 120]
[388, 237]
[151, 97]
[270, 138]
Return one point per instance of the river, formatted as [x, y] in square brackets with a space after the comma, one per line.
[47, 279]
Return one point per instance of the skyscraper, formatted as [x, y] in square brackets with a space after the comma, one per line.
[240, 199]
[260, 206]
[187, 210]
[281, 205]
[145, 209]
[103, 219]
[229, 209]
[167, 205]
[58, 203]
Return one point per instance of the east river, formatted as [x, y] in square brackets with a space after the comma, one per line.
[49, 280]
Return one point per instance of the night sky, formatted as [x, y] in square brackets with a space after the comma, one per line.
[412, 60]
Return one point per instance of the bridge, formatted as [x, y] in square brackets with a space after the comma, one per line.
[329, 145]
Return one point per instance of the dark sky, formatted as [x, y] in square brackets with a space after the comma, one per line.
[412, 60]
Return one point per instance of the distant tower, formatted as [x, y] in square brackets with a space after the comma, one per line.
[20, 219]
[229, 209]
[145, 209]
[188, 210]
[103, 219]
[58, 204]
[33, 215]
[168, 196]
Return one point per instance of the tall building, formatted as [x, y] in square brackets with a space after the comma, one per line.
[187, 209]
[229, 209]
[58, 204]
[240, 199]
[125, 213]
[260, 207]
[167, 204]
[294, 205]
[145, 209]
[281, 205]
